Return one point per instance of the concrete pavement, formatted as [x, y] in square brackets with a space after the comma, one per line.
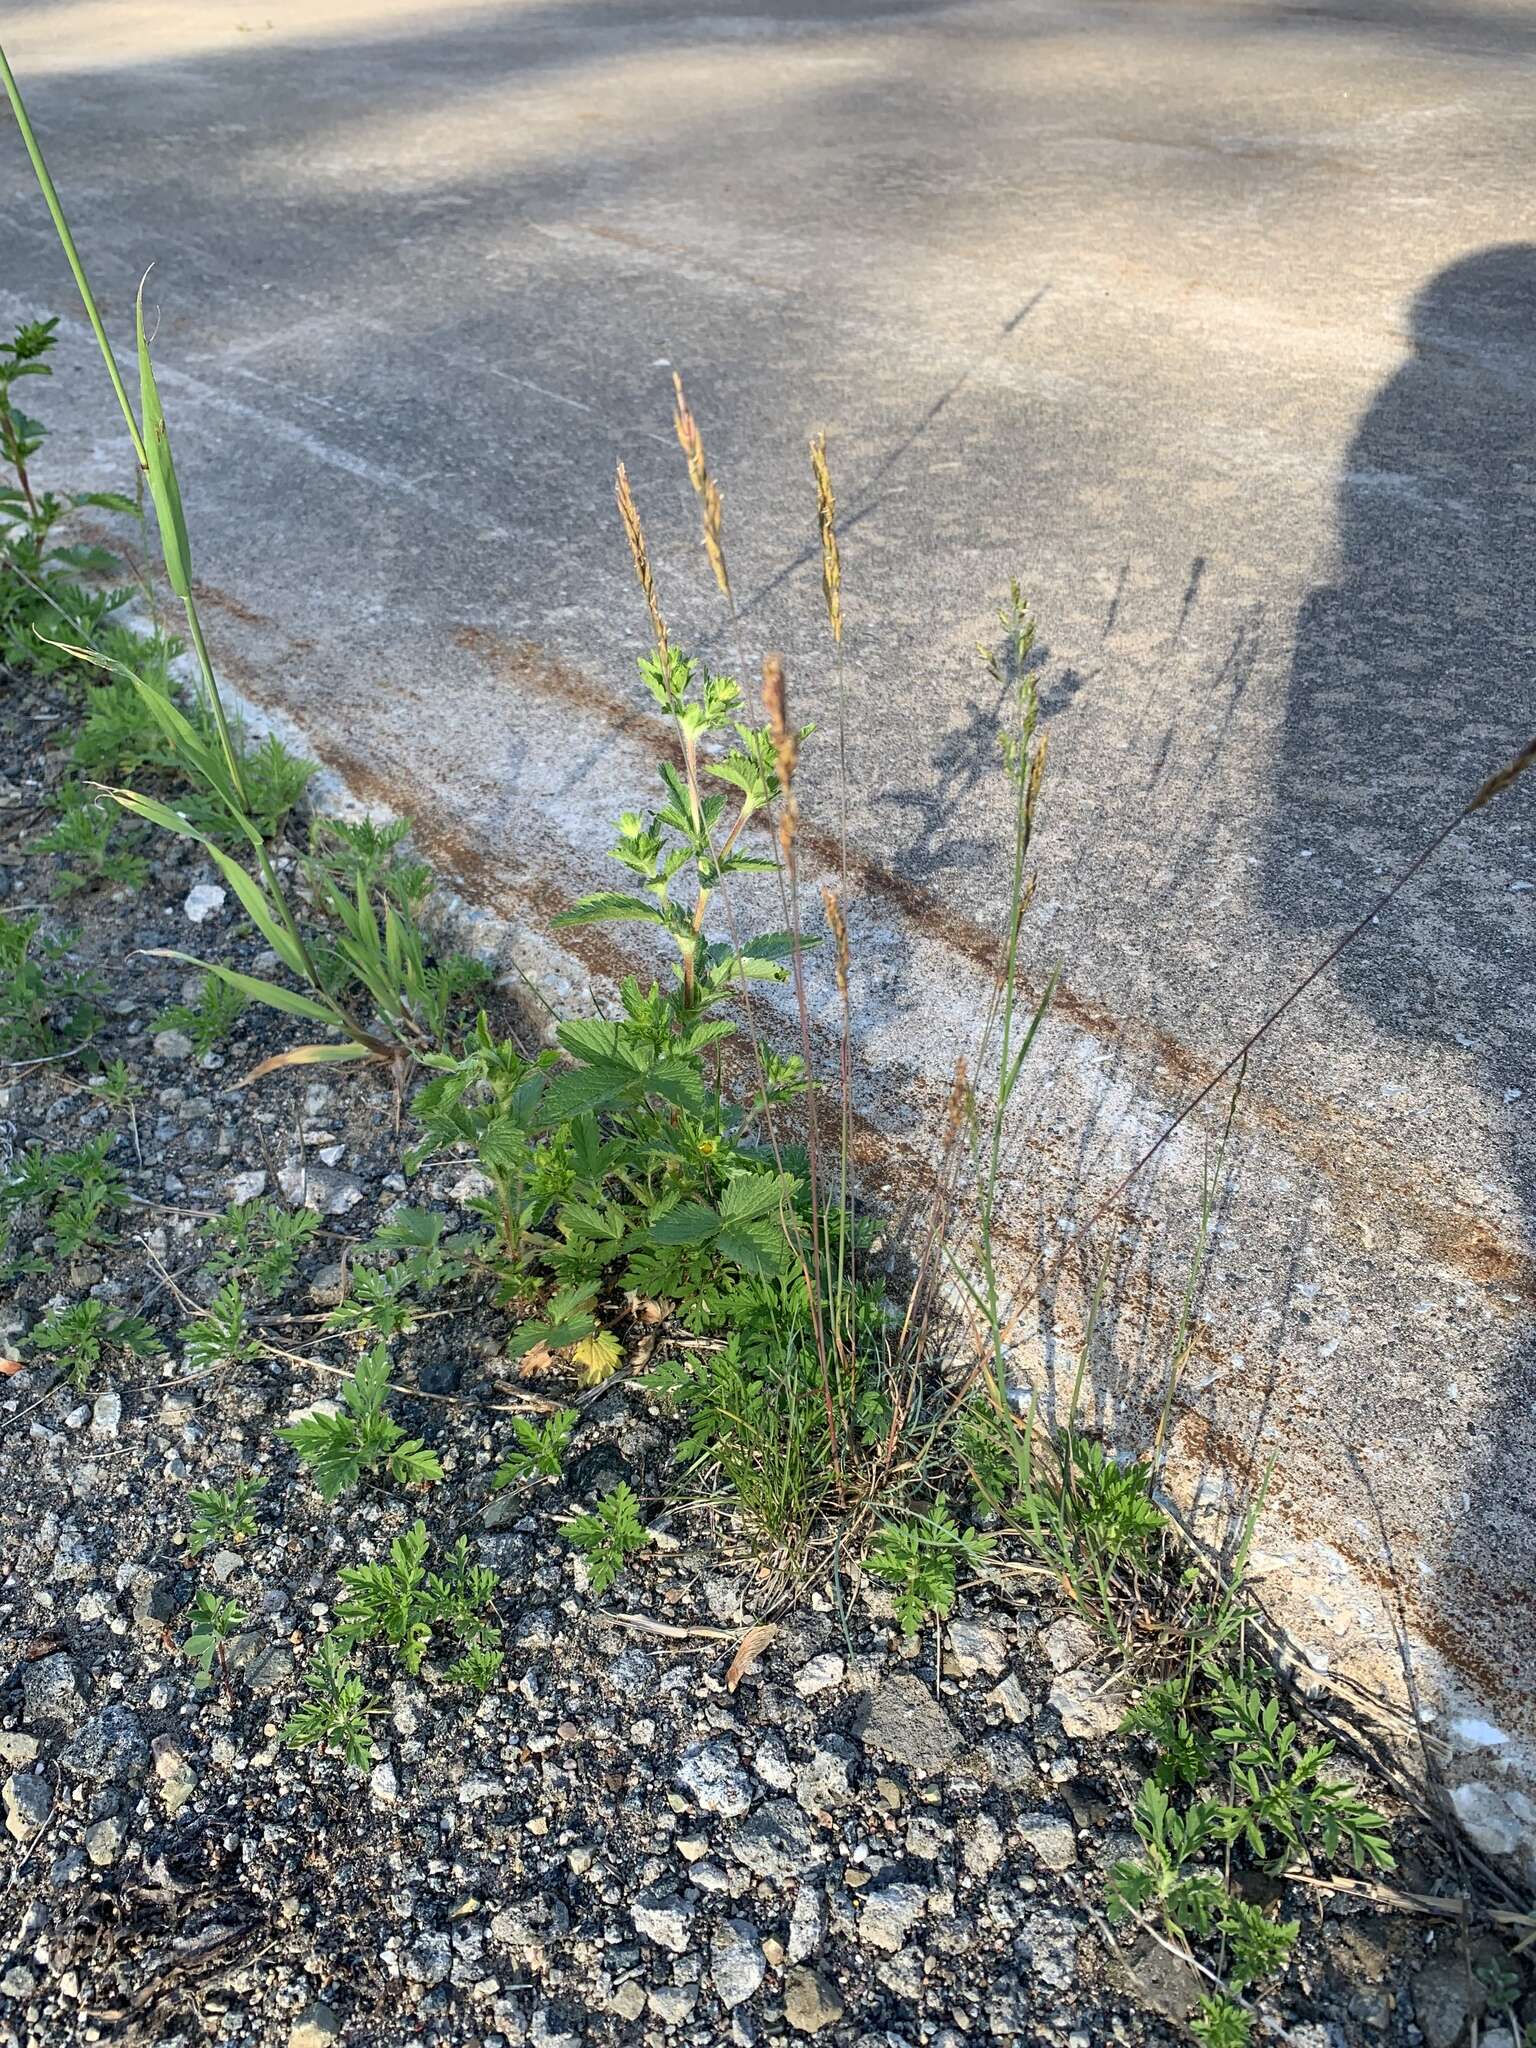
[1214, 323]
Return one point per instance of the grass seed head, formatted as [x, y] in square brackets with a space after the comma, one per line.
[786, 746]
[1506, 778]
[826, 520]
[634, 533]
[832, 904]
[705, 489]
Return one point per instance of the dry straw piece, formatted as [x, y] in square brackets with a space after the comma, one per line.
[826, 520]
[705, 489]
[634, 533]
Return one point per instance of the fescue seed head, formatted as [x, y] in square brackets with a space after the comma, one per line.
[1506, 778]
[705, 489]
[634, 533]
[786, 745]
[826, 520]
[832, 904]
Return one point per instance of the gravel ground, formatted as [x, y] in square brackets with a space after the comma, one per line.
[867, 1839]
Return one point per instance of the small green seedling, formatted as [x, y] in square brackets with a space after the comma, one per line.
[919, 1557]
[45, 1008]
[221, 1336]
[258, 1242]
[210, 1020]
[79, 1338]
[401, 1603]
[338, 1710]
[608, 1537]
[541, 1448]
[214, 1620]
[340, 1448]
[223, 1517]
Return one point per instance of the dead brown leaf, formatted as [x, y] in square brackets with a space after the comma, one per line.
[748, 1650]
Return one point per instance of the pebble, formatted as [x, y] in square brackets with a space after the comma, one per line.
[820, 1674]
[246, 1187]
[110, 1749]
[890, 1914]
[172, 1045]
[902, 1720]
[204, 899]
[712, 1776]
[107, 1413]
[736, 1962]
[665, 1918]
[28, 1802]
[776, 1843]
[51, 1691]
[17, 1749]
[316, 2027]
[811, 2002]
[1052, 1838]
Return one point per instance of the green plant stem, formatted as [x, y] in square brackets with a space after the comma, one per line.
[72, 255]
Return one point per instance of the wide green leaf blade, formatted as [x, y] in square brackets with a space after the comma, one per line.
[688, 1223]
[271, 993]
[163, 487]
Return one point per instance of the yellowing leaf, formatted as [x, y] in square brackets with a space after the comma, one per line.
[597, 1356]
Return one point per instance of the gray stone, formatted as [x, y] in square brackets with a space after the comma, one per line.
[807, 1923]
[824, 1783]
[819, 1674]
[973, 1648]
[736, 1962]
[51, 1691]
[1498, 1820]
[1084, 1706]
[173, 1045]
[1010, 1762]
[665, 1918]
[628, 2001]
[672, 2003]
[777, 1843]
[712, 1776]
[1446, 1998]
[1046, 1947]
[890, 1914]
[17, 1748]
[902, 1720]
[429, 1959]
[28, 1802]
[811, 2002]
[316, 2027]
[319, 1188]
[107, 1413]
[261, 1663]
[1052, 1838]
[110, 1749]
[1068, 1643]
[106, 1840]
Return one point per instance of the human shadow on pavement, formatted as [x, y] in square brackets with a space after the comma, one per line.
[1413, 677]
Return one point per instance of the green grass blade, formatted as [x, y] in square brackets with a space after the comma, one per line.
[163, 487]
[72, 255]
[271, 993]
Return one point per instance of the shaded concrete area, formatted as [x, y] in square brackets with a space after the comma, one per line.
[1214, 323]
